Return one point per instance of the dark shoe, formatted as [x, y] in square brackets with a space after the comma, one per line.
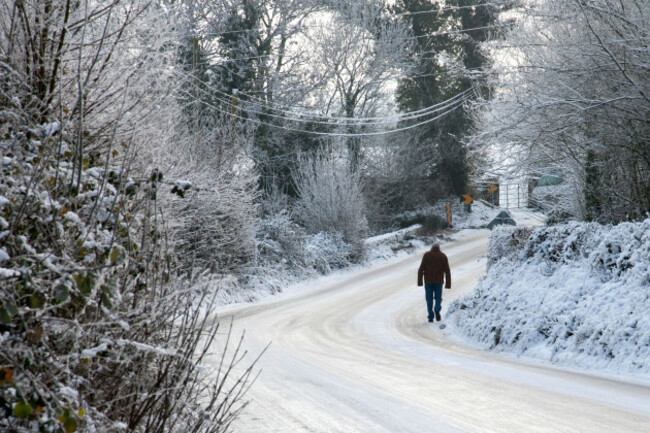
[438, 316]
[430, 320]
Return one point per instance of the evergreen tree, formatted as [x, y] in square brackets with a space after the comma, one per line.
[450, 60]
[239, 48]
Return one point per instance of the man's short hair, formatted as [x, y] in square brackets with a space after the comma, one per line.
[435, 247]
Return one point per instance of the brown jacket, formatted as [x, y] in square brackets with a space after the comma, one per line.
[433, 268]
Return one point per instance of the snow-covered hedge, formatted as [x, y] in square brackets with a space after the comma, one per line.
[280, 240]
[327, 250]
[97, 333]
[575, 294]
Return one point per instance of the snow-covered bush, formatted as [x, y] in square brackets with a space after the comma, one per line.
[213, 221]
[281, 241]
[331, 199]
[576, 293]
[212, 233]
[327, 251]
[507, 243]
[96, 333]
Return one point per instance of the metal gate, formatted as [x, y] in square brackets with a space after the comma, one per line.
[504, 194]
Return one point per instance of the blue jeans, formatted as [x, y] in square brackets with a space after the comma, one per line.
[429, 290]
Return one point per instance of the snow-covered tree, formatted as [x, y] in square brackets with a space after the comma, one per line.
[450, 59]
[572, 101]
[360, 52]
[331, 199]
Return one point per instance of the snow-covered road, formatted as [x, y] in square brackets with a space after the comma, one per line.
[354, 353]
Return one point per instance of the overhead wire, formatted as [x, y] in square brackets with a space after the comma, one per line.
[294, 115]
[332, 134]
[426, 35]
[317, 118]
[290, 114]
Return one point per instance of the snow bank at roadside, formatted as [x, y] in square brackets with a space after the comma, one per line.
[576, 294]
[480, 216]
[394, 244]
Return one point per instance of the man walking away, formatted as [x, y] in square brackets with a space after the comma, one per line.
[435, 270]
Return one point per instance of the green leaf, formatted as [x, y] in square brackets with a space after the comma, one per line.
[117, 255]
[61, 293]
[22, 409]
[70, 424]
[7, 311]
[37, 300]
[107, 296]
[84, 282]
[11, 309]
[5, 318]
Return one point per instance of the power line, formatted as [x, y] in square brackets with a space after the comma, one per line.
[427, 35]
[332, 134]
[293, 116]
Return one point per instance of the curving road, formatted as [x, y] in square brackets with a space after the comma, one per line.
[356, 354]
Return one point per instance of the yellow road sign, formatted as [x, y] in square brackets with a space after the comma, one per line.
[492, 188]
[468, 199]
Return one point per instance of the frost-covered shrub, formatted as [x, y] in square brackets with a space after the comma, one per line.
[212, 233]
[507, 243]
[96, 334]
[280, 241]
[327, 251]
[213, 226]
[562, 244]
[576, 293]
[331, 200]
[89, 318]
[558, 216]
[76, 272]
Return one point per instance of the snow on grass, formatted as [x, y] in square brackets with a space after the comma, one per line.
[575, 294]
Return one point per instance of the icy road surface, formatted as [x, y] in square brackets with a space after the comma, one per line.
[354, 353]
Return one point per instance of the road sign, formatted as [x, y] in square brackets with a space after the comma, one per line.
[468, 199]
[448, 207]
[492, 188]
